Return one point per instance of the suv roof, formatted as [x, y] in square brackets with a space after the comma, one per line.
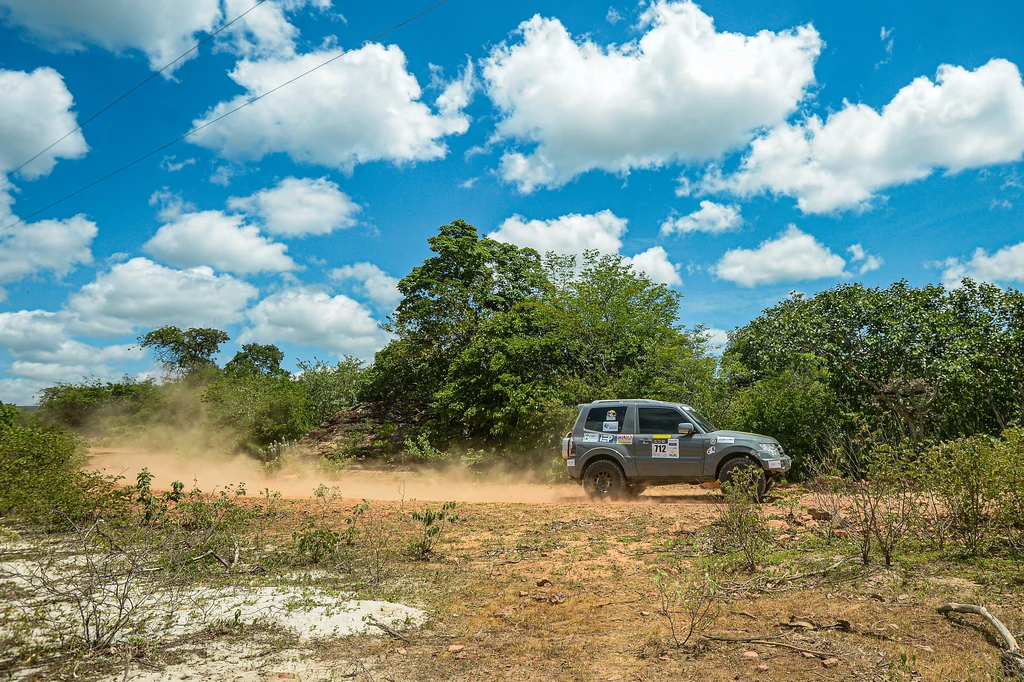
[632, 401]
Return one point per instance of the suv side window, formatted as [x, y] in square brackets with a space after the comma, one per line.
[659, 420]
[599, 416]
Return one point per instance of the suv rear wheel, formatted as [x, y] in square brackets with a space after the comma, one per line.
[604, 480]
[744, 472]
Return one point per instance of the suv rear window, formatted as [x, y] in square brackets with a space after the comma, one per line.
[659, 420]
[597, 417]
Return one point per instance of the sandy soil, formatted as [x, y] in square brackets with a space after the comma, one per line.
[211, 471]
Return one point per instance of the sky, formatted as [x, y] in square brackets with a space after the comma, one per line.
[736, 151]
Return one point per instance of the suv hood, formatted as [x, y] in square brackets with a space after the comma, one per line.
[741, 435]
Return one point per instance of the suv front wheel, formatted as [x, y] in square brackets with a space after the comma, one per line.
[604, 480]
[743, 472]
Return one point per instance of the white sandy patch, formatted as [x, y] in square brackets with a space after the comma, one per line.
[244, 662]
[308, 614]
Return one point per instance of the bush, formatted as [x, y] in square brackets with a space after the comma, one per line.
[742, 522]
[39, 469]
[965, 476]
[793, 406]
[95, 407]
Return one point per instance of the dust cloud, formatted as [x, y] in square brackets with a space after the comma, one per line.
[210, 471]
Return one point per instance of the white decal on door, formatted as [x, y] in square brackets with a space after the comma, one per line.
[665, 448]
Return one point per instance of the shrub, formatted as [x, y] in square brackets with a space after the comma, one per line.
[965, 475]
[432, 525]
[690, 607]
[742, 522]
[39, 470]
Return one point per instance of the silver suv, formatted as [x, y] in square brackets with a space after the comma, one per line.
[619, 448]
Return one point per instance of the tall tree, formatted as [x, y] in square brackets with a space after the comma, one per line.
[256, 358]
[445, 300]
[184, 353]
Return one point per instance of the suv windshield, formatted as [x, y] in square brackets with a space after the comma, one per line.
[699, 420]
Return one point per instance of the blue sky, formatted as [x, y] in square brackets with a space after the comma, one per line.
[734, 150]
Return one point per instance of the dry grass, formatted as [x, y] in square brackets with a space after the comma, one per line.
[565, 591]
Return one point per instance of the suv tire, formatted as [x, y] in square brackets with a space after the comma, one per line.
[635, 490]
[739, 469]
[604, 480]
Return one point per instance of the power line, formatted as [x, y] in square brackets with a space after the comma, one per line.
[222, 116]
[151, 77]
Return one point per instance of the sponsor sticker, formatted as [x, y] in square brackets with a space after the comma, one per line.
[571, 463]
[711, 450]
[665, 436]
[726, 439]
[589, 437]
[611, 426]
[624, 440]
[665, 448]
[606, 438]
[714, 441]
[774, 464]
[610, 416]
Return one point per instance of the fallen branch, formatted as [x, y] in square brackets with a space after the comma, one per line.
[769, 642]
[377, 624]
[1013, 660]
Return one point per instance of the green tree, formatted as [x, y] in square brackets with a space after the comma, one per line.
[256, 359]
[328, 388]
[445, 300]
[931, 362]
[184, 353]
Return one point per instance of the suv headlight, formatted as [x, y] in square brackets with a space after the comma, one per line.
[771, 448]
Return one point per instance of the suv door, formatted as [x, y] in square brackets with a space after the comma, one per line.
[608, 427]
[660, 451]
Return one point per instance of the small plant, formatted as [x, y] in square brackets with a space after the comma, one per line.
[154, 507]
[695, 603]
[743, 525]
[432, 525]
[351, 532]
[965, 475]
[316, 544]
[325, 499]
[422, 450]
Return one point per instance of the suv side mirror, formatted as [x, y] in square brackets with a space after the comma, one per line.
[685, 428]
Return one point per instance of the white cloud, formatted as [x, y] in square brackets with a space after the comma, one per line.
[265, 31]
[711, 218]
[378, 285]
[574, 233]
[363, 107]
[172, 165]
[141, 293]
[313, 318]
[300, 206]
[570, 234]
[655, 264]
[1004, 266]
[35, 110]
[161, 30]
[28, 331]
[965, 119]
[43, 354]
[613, 17]
[222, 241]
[717, 340]
[1000, 203]
[791, 257]
[682, 92]
[868, 262]
[57, 246]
